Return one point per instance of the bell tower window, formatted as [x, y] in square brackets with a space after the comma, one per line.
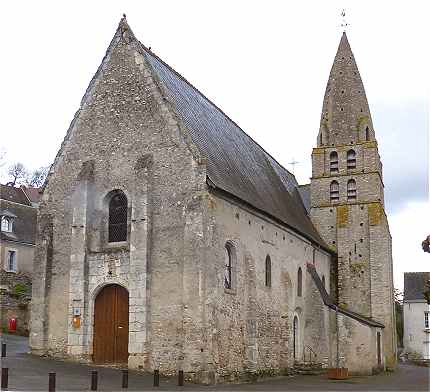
[351, 161]
[334, 162]
[367, 134]
[351, 190]
[334, 191]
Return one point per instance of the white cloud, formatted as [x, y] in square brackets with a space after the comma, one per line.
[409, 227]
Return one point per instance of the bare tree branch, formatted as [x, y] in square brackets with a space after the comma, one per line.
[37, 177]
[17, 173]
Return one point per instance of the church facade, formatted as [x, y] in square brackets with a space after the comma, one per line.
[169, 239]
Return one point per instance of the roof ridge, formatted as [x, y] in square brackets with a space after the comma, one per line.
[150, 52]
[25, 193]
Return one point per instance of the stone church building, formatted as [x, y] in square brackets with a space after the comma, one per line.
[168, 238]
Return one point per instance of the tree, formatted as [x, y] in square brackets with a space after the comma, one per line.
[398, 304]
[18, 173]
[37, 177]
[426, 244]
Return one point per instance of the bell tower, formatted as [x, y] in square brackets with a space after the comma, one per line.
[347, 197]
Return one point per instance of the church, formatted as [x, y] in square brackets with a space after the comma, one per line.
[169, 239]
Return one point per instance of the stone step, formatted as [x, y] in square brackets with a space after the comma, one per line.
[309, 368]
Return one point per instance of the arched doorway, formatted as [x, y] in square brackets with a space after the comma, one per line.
[111, 325]
[296, 338]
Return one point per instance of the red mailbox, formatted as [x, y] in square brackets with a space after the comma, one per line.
[12, 325]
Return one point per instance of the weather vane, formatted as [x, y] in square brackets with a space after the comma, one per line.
[293, 163]
[344, 23]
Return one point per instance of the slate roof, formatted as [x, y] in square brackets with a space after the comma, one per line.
[415, 285]
[32, 193]
[24, 225]
[237, 165]
[13, 194]
[13, 202]
[329, 302]
[305, 195]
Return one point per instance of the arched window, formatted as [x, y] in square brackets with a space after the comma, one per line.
[6, 224]
[299, 282]
[367, 134]
[321, 138]
[351, 189]
[230, 257]
[268, 271]
[11, 261]
[351, 161]
[323, 280]
[334, 191]
[117, 217]
[334, 162]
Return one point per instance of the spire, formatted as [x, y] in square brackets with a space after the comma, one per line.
[124, 30]
[345, 117]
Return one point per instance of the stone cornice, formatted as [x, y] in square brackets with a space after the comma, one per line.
[345, 147]
[349, 174]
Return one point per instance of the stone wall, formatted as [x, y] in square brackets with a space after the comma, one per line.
[123, 137]
[15, 299]
[357, 346]
[250, 327]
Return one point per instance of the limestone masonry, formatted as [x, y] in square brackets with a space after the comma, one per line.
[232, 270]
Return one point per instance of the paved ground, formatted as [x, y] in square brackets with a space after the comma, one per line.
[30, 373]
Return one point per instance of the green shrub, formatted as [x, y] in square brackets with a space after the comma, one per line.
[20, 289]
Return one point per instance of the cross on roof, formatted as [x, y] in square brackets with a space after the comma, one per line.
[293, 163]
[344, 23]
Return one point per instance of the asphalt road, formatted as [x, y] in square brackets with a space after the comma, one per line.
[30, 373]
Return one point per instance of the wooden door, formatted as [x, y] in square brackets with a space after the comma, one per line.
[111, 325]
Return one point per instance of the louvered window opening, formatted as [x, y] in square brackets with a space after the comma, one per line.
[351, 190]
[118, 218]
[351, 161]
[334, 191]
[334, 162]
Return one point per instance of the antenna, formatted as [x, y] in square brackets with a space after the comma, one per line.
[293, 163]
[344, 23]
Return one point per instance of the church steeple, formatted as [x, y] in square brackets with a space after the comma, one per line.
[347, 198]
[345, 117]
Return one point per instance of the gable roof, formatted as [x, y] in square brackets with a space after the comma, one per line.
[236, 164]
[32, 193]
[13, 194]
[305, 195]
[415, 285]
[24, 223]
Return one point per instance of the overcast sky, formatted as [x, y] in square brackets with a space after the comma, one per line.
[265, 63]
